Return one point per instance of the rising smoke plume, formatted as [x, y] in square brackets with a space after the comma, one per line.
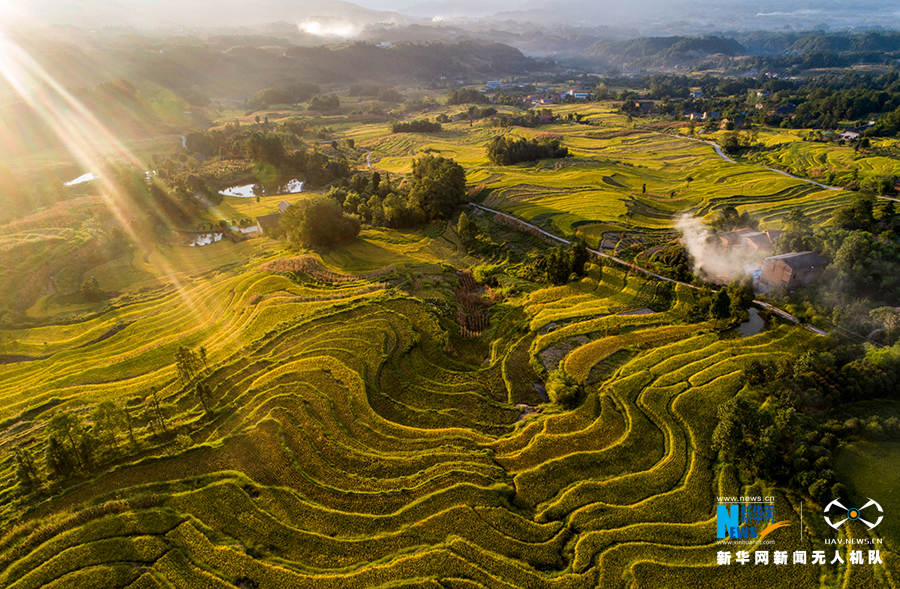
[711, 260]
[325, 26]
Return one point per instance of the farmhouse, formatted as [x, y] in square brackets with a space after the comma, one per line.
[784, 111]
[792, 270]
[268, 222]
[753, 241]
[756, 241]
[736, 123]
[774, 234]
[645, 105]
[733, 238]
[283, 206]
[579, 95]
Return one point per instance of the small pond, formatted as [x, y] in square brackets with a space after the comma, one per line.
[206, 239]
[252, 190]
[81, 179]
[755, 325]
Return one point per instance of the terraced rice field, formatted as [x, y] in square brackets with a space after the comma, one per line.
[639, 179]
[348, 446]
[815, 160]
[631, 175]
[354, 439]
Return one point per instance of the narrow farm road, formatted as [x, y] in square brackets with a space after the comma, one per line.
[805, 180]
[714, 145]
[599, 254]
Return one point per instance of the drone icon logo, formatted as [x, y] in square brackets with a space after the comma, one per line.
[852, 513]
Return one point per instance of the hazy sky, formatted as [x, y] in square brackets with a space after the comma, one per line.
[643, 14]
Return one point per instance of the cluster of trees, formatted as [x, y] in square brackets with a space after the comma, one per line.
[158, 202]
[298, 92]
[421, 126]
[275, 152]
[318, 221]
[647, 52]
[234, 141]
[467, 230]
[325, 102]
[822, 102]
[90, 289]
[560, 264]
[527, 119]
[563, 389]
[79, 444]
[515, 100]
[467, 96]
[438, 186]
[860, 215]
[862, 271]
[728, 219]
[729, 303]
[505, 151]
[435, 189]
[75, 445]
[774, 428]
[472, 114]
[673, 261]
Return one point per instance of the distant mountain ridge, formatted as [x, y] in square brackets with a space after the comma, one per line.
[660, 51]
[646, 17]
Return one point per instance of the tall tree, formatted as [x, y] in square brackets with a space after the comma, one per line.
[59, 461]
[108, 421]
[202, 391]
[439, 185]
[158, 411]
[65, 427]
[741, 293]
[466, 229]
[188, 364]
[559, 266]
[580, 256]
[26, 470]
[721, 305]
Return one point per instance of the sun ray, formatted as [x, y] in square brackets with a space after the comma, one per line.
[89, 141]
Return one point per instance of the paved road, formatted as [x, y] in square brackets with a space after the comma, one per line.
[826, 187]
[763, 304]
[712, 143]
[719, 151]
[789, 175]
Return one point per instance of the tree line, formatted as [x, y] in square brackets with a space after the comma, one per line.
[779, 427]
[435, 188]
[505, 151]
[80, 443]
[419, 126]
